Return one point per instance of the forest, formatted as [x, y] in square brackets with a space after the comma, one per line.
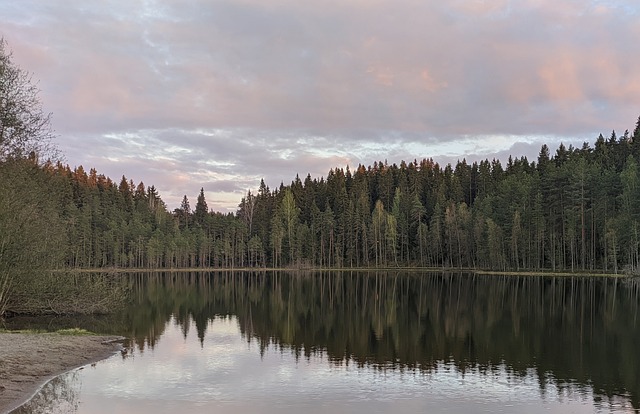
[575, 210]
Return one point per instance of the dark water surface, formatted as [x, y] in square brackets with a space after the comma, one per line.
[362, 343]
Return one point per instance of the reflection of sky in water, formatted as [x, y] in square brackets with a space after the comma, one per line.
[227, 375]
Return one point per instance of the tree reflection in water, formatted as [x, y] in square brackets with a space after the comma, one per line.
[578, 332]
[571, 334]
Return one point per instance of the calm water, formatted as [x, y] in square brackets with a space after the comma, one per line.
[362, 343]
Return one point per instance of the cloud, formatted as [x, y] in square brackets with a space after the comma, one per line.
[188, 94]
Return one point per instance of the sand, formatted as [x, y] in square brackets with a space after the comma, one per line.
[29, 360]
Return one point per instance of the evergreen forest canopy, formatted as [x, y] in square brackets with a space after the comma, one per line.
[575, 210]
[578, 210]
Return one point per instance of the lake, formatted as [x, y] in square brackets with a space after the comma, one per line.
[361, 342]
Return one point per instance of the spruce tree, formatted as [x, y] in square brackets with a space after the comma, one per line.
[200, 214]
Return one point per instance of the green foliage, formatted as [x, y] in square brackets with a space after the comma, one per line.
[33, 230]
[200, 213]
[575, 211]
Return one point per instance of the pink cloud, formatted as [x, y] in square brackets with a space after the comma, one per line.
[559, 76]
[481, 8]
[381, 75]
[430, 84]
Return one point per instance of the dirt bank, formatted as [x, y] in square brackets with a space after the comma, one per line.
[28, 360]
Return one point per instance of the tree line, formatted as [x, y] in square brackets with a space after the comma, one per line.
[575, 210]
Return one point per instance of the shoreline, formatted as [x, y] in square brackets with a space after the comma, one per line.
[546, 272]
[29, 360]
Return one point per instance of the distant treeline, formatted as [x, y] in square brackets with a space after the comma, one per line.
[575, 210]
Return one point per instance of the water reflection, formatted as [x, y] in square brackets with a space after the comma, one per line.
[60, 396]
[226, 374]
[572, 339]
[571, 330]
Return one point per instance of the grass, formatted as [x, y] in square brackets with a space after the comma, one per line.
[74, 331]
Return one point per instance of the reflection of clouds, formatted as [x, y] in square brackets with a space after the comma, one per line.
[227, 375]
[60, 395]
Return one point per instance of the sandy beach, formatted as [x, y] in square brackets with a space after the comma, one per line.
[28, 360]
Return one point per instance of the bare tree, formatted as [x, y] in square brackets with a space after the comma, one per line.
[25, 130]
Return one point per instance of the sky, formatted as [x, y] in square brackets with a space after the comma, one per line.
[218, 94]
